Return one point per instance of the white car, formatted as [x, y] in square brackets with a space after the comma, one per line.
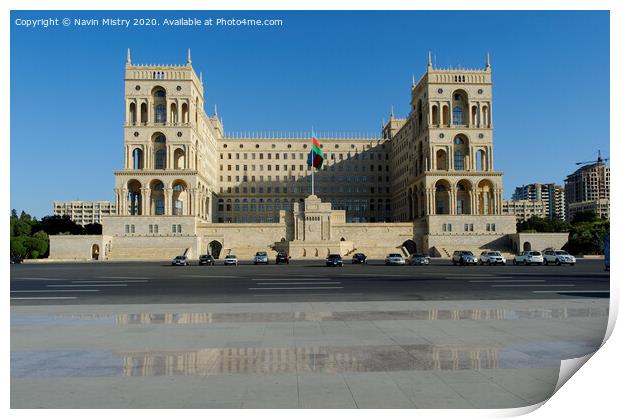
[558, 257]
[261, 257]
[491, 257]
[528, 257]
[230, 260]
[395, 259]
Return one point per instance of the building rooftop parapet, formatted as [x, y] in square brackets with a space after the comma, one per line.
[320, 135]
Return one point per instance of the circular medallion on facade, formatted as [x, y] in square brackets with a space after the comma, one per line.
[288, 146]
[311, 228]
[135, 134]
[257, 146]
[137, 87]
[441, 135]
[305, 145]
[225, 145]
[440, 91]
[480, 91]
[481, 135]
[240, 145]
[337, 146]
[179, 134]
[179, 88]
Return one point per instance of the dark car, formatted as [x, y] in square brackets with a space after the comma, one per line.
[16, 259]
[419, 259]
[333, 260]
[206, 260]
[359, 258]
[282, 257]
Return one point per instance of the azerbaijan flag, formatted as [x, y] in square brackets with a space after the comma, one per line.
[315, 157]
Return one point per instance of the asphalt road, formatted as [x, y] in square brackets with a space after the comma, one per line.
[158, 282]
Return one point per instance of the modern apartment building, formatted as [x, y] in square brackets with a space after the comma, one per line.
[82, 212]
[552, 196]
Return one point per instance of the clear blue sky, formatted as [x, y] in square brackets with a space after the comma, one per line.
[336, 71]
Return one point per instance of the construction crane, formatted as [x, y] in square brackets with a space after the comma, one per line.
[599, 160]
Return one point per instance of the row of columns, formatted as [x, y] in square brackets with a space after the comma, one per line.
[430, 195]
[172, 119]
[198, 202]
[481, 121]
[148, 155]
[470, 158]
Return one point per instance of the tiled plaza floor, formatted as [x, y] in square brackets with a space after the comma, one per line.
[409, 354]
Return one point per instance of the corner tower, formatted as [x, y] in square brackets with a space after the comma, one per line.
[444, 177]
[169, 143]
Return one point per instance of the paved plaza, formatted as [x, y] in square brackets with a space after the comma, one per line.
[455, 353]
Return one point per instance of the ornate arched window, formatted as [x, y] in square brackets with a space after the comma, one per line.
[457, 115]
[160, 113]
[160, 159]
[459, 160]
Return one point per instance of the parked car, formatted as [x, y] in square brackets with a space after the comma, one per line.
[180, 261]
[282, 257]
[528, 257]
[261, 257]
[358, 258]
[230, 260]
[558, 257]
[491, 257]
[333, 260]
[206, 260]
[419, 259]
[464, 257]
[395, 259]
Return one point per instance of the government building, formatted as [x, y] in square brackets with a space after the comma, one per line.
[426, 183]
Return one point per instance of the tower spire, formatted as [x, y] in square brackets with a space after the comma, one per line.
[430, 61]
[189, 56]
[215, 109]
[201, 77]
[128, 56]
[488, 60]
[412, 81]
[392, 113]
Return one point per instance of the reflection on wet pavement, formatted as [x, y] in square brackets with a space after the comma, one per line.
[210, 317]
[255, 360]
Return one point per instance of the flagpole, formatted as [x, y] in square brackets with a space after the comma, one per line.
[312, 158]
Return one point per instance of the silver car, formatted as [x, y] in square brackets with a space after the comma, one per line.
[559, 257]
[419, 259]
[180, 261]
[464, 257]
[395, 259]
[261, 257]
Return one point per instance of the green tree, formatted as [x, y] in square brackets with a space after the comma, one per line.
[587, 238]
[542, 225]
[18, 247]
[93, 228]
[55, 224]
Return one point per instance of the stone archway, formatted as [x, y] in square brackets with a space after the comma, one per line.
[214, 249]
[94, 252]
[410, 246]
